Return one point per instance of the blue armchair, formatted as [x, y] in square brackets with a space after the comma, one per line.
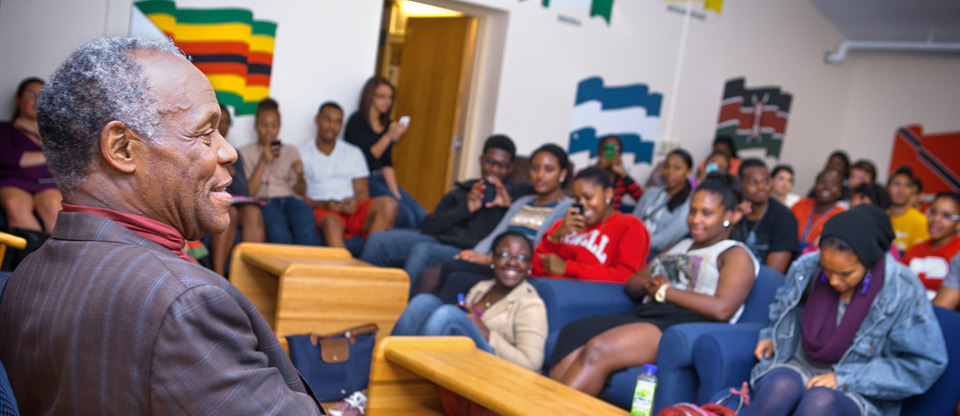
[569, 300]
[724, 358]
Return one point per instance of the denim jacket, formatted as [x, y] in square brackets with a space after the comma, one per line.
[898, 351]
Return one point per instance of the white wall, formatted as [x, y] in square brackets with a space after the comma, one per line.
[893, 89]
[325, 49]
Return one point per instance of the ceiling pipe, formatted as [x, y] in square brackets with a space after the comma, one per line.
[926, 46]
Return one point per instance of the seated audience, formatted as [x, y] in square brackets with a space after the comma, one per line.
[504, 316]
[532, 215]
[108, 317]
[664, 210]
[930, 260]
[717, 162]
[591, 349]
[335, 175]
[274, 172]
[812, 213]
[462, 218]
[243, 213]
[26, 185]
[782, 176]
[851, 331]
[909, 224]
[724, 145]
[769, 230]
[840, 162]
[372, 130]
[601, 244]
[609, 159]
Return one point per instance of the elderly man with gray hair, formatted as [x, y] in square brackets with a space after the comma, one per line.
[109, 316]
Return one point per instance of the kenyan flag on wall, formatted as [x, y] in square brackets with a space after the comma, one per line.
[232, 49]
[754, 117]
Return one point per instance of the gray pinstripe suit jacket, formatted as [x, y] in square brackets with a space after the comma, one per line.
[102, 321]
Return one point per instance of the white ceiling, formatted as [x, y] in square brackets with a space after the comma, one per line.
[894, 20]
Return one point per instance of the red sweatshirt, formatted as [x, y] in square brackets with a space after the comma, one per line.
[610, 251]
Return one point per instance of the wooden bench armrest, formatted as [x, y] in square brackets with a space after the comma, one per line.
[503, 387]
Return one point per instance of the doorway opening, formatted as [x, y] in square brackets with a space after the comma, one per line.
[430, 53]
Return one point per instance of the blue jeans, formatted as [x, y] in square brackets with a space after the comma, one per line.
[410, 214]
[427, 315]
[391, 248]
[289, 220]
[425, 255]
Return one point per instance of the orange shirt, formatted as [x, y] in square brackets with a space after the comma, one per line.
[810, 225]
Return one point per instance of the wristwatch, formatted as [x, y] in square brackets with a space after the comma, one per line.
[661, 295]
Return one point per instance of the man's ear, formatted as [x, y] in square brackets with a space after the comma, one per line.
[117, 144]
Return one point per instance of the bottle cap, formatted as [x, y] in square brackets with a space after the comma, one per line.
[650, 368]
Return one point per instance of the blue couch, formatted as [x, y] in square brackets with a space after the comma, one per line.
[724, 358]
[569, 300]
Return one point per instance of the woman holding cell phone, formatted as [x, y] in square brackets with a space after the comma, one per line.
[504, 316]
[372, 130]
[593, 241]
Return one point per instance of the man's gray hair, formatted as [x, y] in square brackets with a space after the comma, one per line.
[98, 83]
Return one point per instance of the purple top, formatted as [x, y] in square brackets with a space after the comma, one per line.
[13, 144]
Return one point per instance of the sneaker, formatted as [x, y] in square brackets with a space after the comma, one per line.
[353, 405]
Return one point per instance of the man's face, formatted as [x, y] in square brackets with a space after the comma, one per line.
[329, 122]
[183, 175]
[900, 189]
[756, 184]
[496, 162]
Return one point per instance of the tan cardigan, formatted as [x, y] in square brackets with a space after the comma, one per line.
[517, 324]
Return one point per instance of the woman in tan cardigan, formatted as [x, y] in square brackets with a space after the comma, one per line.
[504, 316]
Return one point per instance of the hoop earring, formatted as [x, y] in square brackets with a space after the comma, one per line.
[726, 223]
[608, 201]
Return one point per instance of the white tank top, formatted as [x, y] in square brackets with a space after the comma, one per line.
[696, 270]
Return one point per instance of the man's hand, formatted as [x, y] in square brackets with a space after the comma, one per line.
[553, 263]
[764, 349]
[348, 206]
[475, 197]
[502, 198]
[828, 380]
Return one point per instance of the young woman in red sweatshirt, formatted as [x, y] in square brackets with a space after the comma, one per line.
[599, 244]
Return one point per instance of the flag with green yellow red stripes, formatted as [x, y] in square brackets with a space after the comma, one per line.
[232, 49]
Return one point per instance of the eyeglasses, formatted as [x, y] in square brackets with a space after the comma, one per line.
[932, 212]
[505, 256]
[493, 163]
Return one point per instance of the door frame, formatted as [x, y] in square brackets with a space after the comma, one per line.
[479, 100]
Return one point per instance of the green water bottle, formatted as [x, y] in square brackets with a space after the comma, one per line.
[643, 394]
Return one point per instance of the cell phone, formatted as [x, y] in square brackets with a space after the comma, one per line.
[579, 207]
[489, 191]
[461, 301]
[404, 121]
[275, 143]
[609, 150]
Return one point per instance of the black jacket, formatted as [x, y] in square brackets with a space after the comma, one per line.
[452, 223]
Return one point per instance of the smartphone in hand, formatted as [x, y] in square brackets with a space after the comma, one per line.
[489, 192]
[461, 301]
[579, 207]
[404, 121]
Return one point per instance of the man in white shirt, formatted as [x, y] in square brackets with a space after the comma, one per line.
[336, 184]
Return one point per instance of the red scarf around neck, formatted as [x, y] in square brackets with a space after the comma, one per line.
[152, 230]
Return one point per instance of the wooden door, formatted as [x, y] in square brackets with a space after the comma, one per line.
[434, 66]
